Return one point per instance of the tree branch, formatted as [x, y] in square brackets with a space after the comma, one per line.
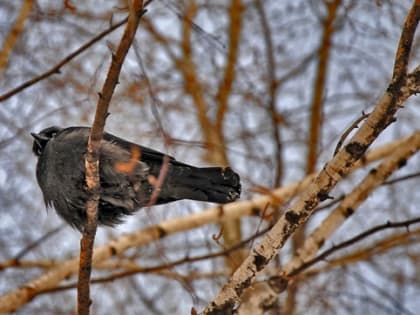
[381, 117]
[93, 153]
[56, 69]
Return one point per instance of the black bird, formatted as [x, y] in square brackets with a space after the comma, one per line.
[129, 177]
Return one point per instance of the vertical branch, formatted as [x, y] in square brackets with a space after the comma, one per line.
[319, 86]
[213, 131]
[16, 30]
[231, 229]
[273, 84]
[225, 87]
[194, 88]
[92, 157]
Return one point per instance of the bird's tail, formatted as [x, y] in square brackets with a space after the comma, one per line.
[213, 184]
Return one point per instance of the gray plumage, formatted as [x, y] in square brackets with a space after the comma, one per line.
[128, 174]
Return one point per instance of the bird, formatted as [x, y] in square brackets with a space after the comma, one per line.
[131, 177]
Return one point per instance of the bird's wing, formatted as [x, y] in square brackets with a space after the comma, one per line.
[145, 154]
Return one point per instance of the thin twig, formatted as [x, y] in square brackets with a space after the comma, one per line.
[166, 266]
[38, 241]
[353, 240]
[56, 69]
[354, 125]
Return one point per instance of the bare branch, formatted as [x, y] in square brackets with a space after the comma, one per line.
[92, 157]
[381, 117]
[57, 67]
[352, 241]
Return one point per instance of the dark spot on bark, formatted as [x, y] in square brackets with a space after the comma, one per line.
[394, 88]
[323, 195]
[259, 261]
[161, 232]
[321, 243]
[310, 205]
[402, 162]
[239, 289]
[255, 211]
[270, 305]
[292, 217]
[341, 173]
[223, 309]
[113, 250]
[221, 212]
[355, 149]
[348, 212]
[278, 284]
[373, 171]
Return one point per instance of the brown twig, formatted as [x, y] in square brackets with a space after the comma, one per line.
[225, 87]
[354, 125]
[231, 229]
[14, 33]
[159, 268]
[353, 240]
[273, 84]
[374, 249]
[56, 69]
[319, 86]
[92, 157]
[38, 241]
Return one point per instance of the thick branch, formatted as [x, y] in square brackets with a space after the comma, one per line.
[332, 173]
[352, 201]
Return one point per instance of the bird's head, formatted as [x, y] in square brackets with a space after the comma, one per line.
[41, 139]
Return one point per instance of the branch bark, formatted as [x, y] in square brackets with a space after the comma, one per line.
[93, 154]
[305, 255]
[333, 171]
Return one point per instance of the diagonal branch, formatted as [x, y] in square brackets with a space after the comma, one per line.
[56, 69]
[15, 299]
[352, 201]
[381, 117]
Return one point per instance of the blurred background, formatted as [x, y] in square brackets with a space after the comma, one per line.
[264, 86]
